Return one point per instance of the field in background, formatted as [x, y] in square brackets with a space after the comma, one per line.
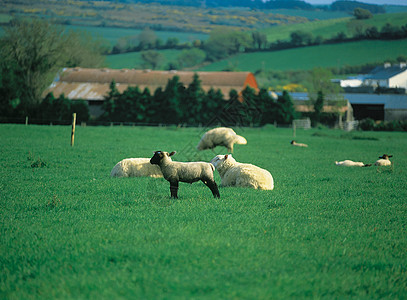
[331, 27]
[307, 58]
[70, 231]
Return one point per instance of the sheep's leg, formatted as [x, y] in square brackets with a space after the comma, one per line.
[174, 189]
[214, 188]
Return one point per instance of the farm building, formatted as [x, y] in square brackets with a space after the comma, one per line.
[386, 76]
[92, 85]
[386, 107]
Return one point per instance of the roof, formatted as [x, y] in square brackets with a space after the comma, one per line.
[386, 71]
[94, 84]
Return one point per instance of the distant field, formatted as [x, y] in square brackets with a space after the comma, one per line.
[112, 35]
[133, 59]
[69, 231]
[329, 28]
[355, 53]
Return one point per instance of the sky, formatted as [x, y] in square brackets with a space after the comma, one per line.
[394, 2]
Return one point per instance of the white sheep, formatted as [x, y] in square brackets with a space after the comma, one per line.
[294, 143]
[350, 163]
[233, 173]
[383, 160]
[136, 167]
[189, 172]
[220, 136]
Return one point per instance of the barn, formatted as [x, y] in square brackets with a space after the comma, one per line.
[92, 85]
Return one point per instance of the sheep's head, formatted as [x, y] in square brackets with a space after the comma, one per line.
[218, 160]
[160, 155]
[385, 156]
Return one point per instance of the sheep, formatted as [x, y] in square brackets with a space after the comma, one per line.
[135, 167]
[350, 163]
[383, 160]
[294, 143]
[233, 173]
[189, 172]
[220, 136]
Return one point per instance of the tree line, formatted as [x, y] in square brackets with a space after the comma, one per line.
[180, 104]
[224, 43]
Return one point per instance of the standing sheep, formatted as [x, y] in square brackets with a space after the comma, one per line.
[294, 143]
[350, 163]
[383, 160]
[234, 173]
[220, 136]
[189, 172]
[135, 167]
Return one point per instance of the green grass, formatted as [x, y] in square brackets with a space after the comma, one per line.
[69, 231]
[113, 34]
[307, 58]
[331, 27]
[133, 59]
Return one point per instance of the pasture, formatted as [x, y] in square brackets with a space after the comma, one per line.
[69, 231]
[307, 58]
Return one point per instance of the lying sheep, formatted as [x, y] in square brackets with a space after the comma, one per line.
[135, 167]
[294, 143]
[350, 163]
[234, 173]
[383, 160]
[189, 172]
[220, 136]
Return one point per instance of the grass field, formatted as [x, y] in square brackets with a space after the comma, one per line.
[336, 55]
[327, 28]
[69, 231]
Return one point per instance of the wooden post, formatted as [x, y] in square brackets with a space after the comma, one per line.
[73, 128]
[26, 120]
[294, 127]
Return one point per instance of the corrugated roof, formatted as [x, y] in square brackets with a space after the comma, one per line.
[386, 72]
[93, 84]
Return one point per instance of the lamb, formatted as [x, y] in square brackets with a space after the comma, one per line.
[189, 172]
[383, 160]
[136, 167]
[350, 163]
[233, 173]
[294, 143]
[220, 136]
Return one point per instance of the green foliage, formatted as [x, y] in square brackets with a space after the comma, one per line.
[362, 14]
[71, 231]
[32, 52]
[190, 58]
[370, 125]
[151, 59]
[285, 109]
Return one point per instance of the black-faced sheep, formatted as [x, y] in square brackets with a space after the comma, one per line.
[383, 160]
[234, 173]
[294, 143]
[189, 172]
[220, 136]
[136, 167]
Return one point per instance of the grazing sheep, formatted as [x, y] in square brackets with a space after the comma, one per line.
[234, 173]
[189, 172]
[350, 163]
[294, 143]
[135, 167]
[220, 136]
[383, 160]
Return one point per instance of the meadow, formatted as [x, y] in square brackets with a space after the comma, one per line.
[69, 231]
[307, 58]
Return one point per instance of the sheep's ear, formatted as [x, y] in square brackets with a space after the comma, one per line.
[226, 156]
[172, 153]
[390, 155]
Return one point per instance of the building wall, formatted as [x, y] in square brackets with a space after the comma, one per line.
[395, 115]
[399, 81]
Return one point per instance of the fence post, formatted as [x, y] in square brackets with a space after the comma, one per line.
[294, 127]
[26, 120]
[73, 128]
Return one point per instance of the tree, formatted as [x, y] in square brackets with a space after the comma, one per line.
[362, 14]
[318, 107]
[301, 38]
[151, 59]
[190, 57]
[285, 112]
[147, 39]
[33, 51]
[259, 40]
